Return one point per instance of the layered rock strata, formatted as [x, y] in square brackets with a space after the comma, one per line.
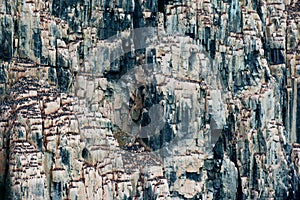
[149, 99]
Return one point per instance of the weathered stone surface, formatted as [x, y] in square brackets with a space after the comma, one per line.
[149, 99]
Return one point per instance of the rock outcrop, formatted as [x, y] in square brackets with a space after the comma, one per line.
[149, 99]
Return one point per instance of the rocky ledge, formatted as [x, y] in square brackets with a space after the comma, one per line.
[149, 99]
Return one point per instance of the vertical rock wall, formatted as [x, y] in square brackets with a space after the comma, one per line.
[142, 99]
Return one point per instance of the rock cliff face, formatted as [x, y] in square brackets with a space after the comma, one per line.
[149, 99]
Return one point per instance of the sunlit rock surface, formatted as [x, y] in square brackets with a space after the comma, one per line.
[149, 99]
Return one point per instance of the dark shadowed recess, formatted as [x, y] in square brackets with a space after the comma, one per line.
[60, 7]
[156, 142]
[6, 25]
